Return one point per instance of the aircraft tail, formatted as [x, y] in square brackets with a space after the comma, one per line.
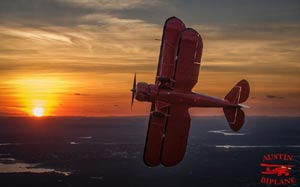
[239, 93]
[235, 115]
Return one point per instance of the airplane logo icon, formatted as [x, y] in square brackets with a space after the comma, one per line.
[276, 169]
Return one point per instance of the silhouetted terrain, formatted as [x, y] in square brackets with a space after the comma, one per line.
[62, 151]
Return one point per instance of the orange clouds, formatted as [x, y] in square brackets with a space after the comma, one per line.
[86, 68]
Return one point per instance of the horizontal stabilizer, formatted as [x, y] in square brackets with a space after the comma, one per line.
[239, 93]
[235, 117]
[244, 106]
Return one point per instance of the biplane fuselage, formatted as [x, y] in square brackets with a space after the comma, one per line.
[171, 96]
[152, 93]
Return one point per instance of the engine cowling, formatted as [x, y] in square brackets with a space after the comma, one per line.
[142, 92]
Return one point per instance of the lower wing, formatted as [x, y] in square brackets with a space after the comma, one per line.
[167, 136]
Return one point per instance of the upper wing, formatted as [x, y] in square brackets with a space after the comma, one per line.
[188, 62]
[155, 134]
[176, 135]
[172, 29]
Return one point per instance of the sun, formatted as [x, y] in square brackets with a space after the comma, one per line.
[38, 111]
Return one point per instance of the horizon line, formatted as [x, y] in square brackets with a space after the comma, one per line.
[108, 116]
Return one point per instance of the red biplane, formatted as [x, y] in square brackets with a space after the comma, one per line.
[171, 95]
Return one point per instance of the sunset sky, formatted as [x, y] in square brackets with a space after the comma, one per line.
[78, 57]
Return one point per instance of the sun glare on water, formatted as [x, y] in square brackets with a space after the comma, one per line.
[38, 111]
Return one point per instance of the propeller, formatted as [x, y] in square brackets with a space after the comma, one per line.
[133, 90]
